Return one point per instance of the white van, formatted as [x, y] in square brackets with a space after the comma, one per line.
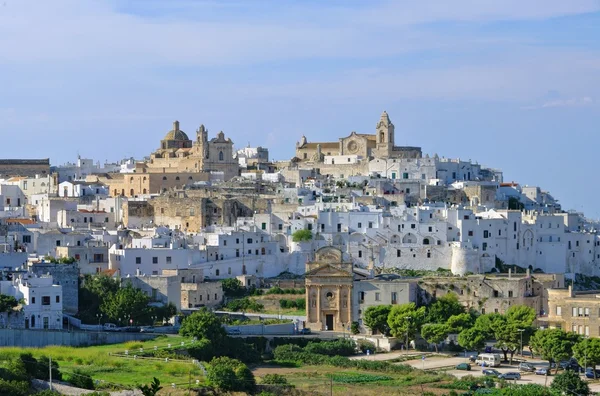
[488, 360]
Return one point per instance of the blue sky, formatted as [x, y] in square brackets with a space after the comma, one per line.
[512, 84]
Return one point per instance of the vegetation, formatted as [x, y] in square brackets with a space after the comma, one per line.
[302, 236]
[228, 374]
[299, 303]
[569, 383]
[204, 324]
[232, 287]
[61, 260]
[279, 290]
[588, 351]
[405, 320]
[151, 389]
[244, 304]
[274, 379]
[8, 303]
[375, 318]
[554, 345]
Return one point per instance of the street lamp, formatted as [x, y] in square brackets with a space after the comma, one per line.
[407, 327]
[521, 331]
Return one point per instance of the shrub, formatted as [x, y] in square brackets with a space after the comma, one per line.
[355, 328]
[302, 236]
[365, 345]
[274, 379]
[14, 388]
[230, 375]
[81, 379]
[244, 304]
[340, 347]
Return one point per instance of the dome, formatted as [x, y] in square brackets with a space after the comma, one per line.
[176, 133]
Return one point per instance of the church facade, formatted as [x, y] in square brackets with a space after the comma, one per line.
[329, 280]
[364, 146]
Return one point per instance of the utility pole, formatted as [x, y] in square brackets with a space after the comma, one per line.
[331, 385]
[50, 369]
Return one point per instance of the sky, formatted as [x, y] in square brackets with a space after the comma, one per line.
[511, 84]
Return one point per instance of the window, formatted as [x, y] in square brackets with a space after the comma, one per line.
[499, 232]
[361, 296]
[237, 252]
[586, 312]
[377, 297]
[216, 298]
[413, 226]
[217, 272]
[237, 240]
[398, 253]
[26, 238]
[496, 293]
[484, 246]
[558, 311]
[360, 253]
[225, 242]
[168, 259]
[46, 322]
[57, 243]
[470, 233]
[587, 331]
[486, 233]
[359, 225]
[580, 311]
[574, 313]
[263, 226]
[394, 297]
[249, 241]
[33, 300]
[200, 297]
[57, 299]
[154, 260]
[430, 229]
[221, 156]
[510, 293]
[138, 260]
[339, 227]
[45, 300]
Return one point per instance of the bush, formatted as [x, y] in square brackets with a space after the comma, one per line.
[340, 347]
[274, 379]
[80, 379]
[230, 375]
[302, 236]
[299, 303]
[365, 345]
[244, 304]
[355, 328]
[14, 388]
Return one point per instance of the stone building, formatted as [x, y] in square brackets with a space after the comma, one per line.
[578, 312]
[65, 275]
[378, 145]
[329, 281]
[24, 167]
[178, 151]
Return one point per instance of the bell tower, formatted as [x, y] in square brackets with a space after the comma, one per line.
[384, 136]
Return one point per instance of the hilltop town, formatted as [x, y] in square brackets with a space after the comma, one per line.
[201, 225]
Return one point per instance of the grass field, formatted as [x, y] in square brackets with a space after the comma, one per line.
[271, 303]
[103, 365]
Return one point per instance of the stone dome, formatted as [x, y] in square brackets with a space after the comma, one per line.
[176, 133]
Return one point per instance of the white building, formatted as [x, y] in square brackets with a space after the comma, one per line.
[43, 306]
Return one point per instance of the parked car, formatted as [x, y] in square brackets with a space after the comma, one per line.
[234, 332]
[492, 372]
[110, 327]
[589, 373]
[542, 371]
[305, 331]
[513, 375]
[528, 367]
[570, 364]
[472, 358]
[463, 366]
[488, 349]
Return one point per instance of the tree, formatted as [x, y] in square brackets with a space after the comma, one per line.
[569, 383]
[302, 236]
[553, 345]
[232, 287]
[151, 389]
[512, 328]
[472, 339]
[274, 379]
[8, 303]
[405, 320]
[588, 352]
[376, 317]
[230, 375]
[128, 302]
[443, 308]
[457, 323]
[204, 324]
[435, 333]
[94, 290]
[165, 312]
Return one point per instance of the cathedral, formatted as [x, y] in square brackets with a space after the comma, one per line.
[366, 146]
[179, 153]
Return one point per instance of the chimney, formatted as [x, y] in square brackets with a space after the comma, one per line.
[510, 272]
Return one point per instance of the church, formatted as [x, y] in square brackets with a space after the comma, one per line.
[364, 146]
[178, 151]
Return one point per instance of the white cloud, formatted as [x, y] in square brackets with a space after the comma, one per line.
[568, 102]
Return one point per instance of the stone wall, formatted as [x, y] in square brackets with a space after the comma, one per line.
[41, 338]
[22, 167]
[66, 275]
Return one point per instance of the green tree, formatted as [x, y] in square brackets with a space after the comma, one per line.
[443, 308]
[151, 389]
[93, 291]
[230, 375]
[274, 379]
[376, 317]
[405, 320]
[553, 345]
[569, 383]
[204, 324]
[435, 333]
[507, 329]
[127, 302]
[587, 351]
[8, 303]
[457, 323]
[355, 328]
[472, 339]
[232, 287]
[164, 312]
[302, 236]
